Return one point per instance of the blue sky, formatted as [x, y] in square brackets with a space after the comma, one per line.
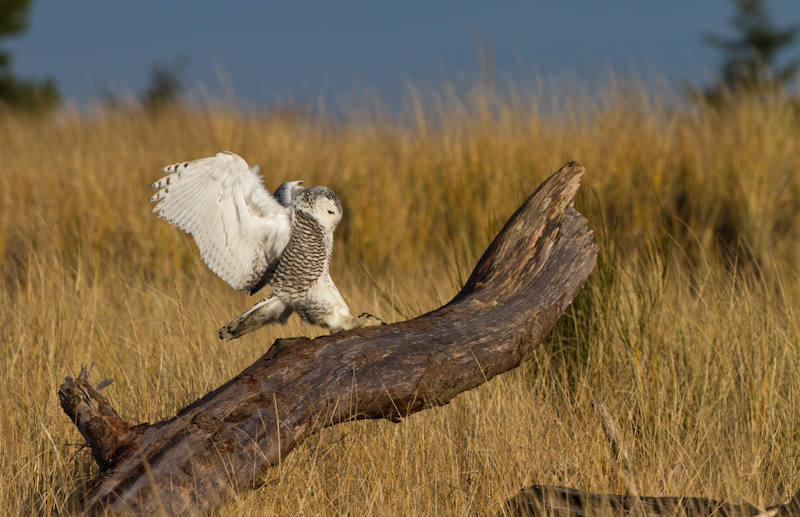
[269, 51]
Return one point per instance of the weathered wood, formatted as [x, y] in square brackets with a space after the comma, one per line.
[559, 501]
[226, 440]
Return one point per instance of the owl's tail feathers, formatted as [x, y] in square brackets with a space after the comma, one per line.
[268, 310]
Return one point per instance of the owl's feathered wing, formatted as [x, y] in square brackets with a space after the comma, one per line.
[240, 229]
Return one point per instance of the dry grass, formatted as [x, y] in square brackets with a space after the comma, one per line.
[687, 331]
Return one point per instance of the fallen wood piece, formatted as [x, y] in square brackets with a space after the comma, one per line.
[558, 501]
[226, 440]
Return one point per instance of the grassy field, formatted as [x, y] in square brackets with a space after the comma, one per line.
[687, 330]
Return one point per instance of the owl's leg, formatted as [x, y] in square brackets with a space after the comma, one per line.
[268, 310]
[324, 306]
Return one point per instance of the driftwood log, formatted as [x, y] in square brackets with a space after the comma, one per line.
[226, 440]
[558, 501]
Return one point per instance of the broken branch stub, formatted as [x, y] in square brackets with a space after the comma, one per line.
[226, 440]
[105, 432]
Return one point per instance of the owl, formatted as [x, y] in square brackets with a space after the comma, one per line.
[252, 239]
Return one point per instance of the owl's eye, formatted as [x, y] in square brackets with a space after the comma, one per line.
[330, 212]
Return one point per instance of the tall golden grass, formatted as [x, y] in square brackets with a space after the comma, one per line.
[687, 330]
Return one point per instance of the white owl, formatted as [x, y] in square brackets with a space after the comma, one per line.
[251, 239]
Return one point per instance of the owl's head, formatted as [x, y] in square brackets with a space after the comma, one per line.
[320, 203]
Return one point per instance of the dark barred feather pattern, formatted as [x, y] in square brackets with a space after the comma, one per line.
[306, 256]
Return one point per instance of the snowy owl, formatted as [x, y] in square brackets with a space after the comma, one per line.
[251, 239]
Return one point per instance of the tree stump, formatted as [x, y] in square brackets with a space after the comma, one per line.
[226, 440]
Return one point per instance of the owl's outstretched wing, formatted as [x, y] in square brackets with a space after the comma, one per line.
[240, 228]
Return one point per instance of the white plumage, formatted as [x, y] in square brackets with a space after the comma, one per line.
[252, 239]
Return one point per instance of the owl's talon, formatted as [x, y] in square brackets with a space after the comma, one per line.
[366, 319]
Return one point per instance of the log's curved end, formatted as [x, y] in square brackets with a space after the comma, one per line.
[527, 239]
